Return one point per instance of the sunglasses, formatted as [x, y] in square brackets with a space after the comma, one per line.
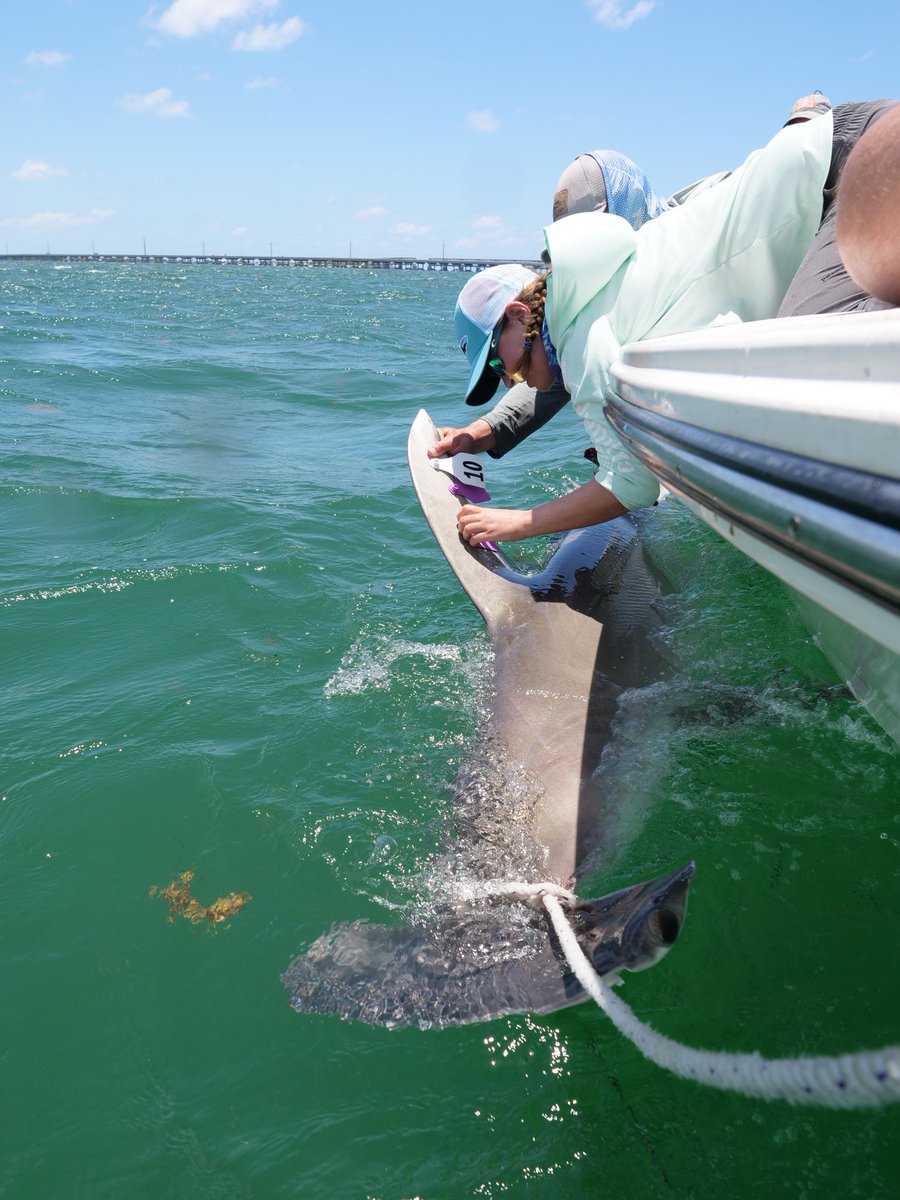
[494, 361]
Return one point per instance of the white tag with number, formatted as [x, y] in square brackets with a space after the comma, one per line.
[467, 468]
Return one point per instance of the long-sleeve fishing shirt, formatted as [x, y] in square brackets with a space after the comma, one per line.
[728, 255]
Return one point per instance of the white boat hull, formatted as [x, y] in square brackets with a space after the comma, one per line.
[784, 437]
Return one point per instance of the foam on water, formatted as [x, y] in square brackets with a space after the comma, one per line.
[367, 667]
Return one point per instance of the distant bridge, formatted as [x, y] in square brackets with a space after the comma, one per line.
[277, 260]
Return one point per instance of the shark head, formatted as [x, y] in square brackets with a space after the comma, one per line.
[456, 967]
[633, 928]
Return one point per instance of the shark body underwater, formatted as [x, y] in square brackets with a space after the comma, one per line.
[566, 642]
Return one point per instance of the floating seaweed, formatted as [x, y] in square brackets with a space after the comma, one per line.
[183, 904]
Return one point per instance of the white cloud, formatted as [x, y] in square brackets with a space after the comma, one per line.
[488, 224]
[59, 220]
[33, 170]
[483, 121]
[269, 37]
[46, 58]
[239, 231]
[259, 83]
[404, 229]
[160, 103]
[376, 210]
[487, 231]
[191, 18]
[617, 15]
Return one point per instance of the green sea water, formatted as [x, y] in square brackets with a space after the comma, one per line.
[230, 646]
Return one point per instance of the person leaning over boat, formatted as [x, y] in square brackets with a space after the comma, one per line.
[599, 181]
[728, 255]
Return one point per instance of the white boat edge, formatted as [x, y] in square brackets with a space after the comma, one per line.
[747, 425]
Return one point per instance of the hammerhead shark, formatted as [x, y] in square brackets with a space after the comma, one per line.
[566, 641]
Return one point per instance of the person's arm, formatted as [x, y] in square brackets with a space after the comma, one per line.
[520, 413]
[803, 109]
[589, 504]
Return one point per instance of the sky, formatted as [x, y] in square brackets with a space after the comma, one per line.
[401, 128]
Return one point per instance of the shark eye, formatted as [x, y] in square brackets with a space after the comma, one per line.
[663, 926]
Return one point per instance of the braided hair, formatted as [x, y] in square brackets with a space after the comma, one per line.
[534, 295]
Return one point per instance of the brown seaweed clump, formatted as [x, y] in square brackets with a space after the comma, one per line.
[182, 903]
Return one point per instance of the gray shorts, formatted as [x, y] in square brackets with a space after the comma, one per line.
[822, 284]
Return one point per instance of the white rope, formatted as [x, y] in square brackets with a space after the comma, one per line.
[532, 893]
[862, 1080]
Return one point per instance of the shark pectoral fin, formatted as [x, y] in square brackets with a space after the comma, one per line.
[443, 972]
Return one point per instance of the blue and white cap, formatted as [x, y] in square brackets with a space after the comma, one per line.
[607, 181]
[478, 311]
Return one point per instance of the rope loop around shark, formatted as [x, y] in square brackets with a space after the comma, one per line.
[567, 641]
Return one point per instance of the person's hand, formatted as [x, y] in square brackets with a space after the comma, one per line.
[472, 439]
[477, 525]
[452, 441]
